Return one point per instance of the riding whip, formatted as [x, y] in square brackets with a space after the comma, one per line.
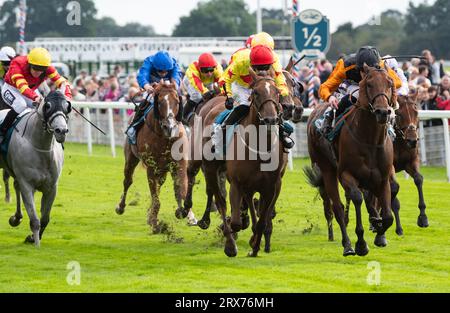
[405, 57]
[89, 121]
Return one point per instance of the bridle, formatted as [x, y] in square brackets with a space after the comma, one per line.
[261, 104]
[370, 103]
[48, 120]
[411, 127]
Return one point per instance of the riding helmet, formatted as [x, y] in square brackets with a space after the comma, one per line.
[368, 55]
[162, 61]
[207, 60]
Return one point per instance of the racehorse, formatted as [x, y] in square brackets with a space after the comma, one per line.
[363, 158]
[293, 113]
[35, 160]
[155, 139]
[245, 176]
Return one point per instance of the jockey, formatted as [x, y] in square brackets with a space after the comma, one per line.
[247, 46]
[160, 66]
[199, 82]
[25, 75]
[7, 54]
[237, 81]
[393, 64]
[349, 68]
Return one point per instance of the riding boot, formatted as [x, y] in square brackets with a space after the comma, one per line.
[8, 122]
[235, 116]
[286, 131]
[132, 128]
[327, 125]
[188, 110]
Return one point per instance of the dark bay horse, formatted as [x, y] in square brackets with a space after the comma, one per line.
[364, 159]
[155, 140]
[406, 153]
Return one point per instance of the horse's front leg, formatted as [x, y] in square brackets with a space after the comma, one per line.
[266, 203]
[48, 197]
[6, 182]
[180, 185]
[386, 213]
[131, 161]
[27, 193]
[16, 219]
[395, 188]
[352, 191]
[422, 220]
[154, 182]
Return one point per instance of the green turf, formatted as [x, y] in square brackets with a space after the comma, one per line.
[117, 253]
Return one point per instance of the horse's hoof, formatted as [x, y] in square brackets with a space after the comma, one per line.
[236, 227]
[14, 222]
[381, 241]
[361, 248]
[245, 220]
[204, 224]
[181, 213]
[422, 221]
[29, 239]
[231, 251]
[399, 231]
[120, 210]
[267, 249]
[156, 229]
[252, 254]
[349, 251]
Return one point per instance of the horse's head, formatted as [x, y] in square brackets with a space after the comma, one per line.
[55, 111]
[168, 109]
[377, 92]
[296, 89]
[407, 119]
[265, 98]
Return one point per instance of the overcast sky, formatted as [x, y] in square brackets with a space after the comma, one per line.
[163, 15]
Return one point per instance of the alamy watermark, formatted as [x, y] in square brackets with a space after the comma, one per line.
[374, 276]
[74, 16]
[73, 278]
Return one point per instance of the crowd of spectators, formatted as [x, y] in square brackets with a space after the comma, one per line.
[425, 76]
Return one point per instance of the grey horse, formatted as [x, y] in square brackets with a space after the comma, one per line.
[35, 160]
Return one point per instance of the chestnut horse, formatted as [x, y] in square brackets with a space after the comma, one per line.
[245, 176]
[293, 114]
[155, 139]
[364, 158]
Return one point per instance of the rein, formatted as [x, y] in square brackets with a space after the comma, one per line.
[400, 131]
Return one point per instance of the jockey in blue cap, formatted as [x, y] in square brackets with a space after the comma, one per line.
[160, 66]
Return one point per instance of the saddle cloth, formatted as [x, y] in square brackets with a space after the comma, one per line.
[5, 141]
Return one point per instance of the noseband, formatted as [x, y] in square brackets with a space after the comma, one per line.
[260, 105]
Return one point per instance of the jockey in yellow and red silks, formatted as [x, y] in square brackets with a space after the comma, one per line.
[199, 82]
[237, 78]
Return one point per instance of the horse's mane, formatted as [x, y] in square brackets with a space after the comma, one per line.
[161, 87]
[55, 95]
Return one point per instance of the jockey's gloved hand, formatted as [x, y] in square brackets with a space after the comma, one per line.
[208, 95]
[229, 103]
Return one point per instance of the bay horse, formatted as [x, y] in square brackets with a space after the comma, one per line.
[293, 113]
[363, 158]
[35, 159]
[245, 176]
[155, 139]
[406, 158]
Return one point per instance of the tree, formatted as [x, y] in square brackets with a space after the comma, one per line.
[217, 18]
[51, 18]
[387, 36]
[427, 27]
[275, 22]
[46, 18]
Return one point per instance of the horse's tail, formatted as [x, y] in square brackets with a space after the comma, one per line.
[314, 177]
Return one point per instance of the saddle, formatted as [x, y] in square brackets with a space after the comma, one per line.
[339, 123]
[4, 145]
